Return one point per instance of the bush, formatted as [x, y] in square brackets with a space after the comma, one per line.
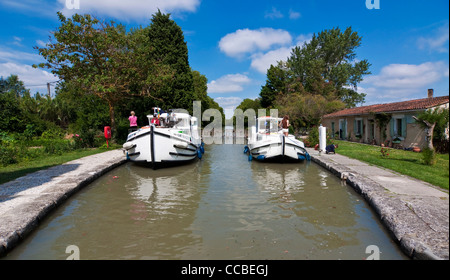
[57, 147]
[53, 132]
[429, 156]
[8, 155]
[313, 137]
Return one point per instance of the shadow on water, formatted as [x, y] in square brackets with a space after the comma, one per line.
[221, 207]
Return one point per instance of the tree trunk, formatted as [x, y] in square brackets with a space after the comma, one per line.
[111, 117]
[430, 136]
[430, 129]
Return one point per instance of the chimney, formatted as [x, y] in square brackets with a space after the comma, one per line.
[430, 93]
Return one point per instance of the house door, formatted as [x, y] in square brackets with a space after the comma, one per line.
[343, 129]
[371, 138]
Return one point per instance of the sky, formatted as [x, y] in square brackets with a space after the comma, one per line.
[233, 43]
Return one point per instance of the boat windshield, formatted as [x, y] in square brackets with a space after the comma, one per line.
[182, 123]
[268, 125]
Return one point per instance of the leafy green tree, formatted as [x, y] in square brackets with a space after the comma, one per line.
[13, 85]
[12, 118]
[101, 58]
[248, 103]
[168, 45]
[276, 84]
[327, 64]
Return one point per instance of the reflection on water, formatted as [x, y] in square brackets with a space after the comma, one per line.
[222, 207]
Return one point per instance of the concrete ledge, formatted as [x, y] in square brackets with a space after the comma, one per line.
[415, 213]
[26, 201]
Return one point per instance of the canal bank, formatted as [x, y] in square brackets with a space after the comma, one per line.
[416, 213]
[25, 201]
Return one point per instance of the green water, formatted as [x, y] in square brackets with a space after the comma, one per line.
[222, 207]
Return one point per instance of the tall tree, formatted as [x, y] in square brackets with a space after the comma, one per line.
[276, 84]
[168, 45]
[329, 59]
[100, 58]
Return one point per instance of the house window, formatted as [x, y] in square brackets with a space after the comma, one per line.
[332, 130]
[398, 127]
[359, 127]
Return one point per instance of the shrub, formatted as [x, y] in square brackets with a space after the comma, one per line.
[429, 156]
[313, 137]
[384, 152]
[8, 155]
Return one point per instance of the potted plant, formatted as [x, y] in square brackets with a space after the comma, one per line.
[396, 140]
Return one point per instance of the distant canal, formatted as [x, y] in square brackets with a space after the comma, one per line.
[222, 207]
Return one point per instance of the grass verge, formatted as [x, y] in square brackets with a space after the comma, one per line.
[404, 162]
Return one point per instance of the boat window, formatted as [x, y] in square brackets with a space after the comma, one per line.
[182, 123]
[268, 125]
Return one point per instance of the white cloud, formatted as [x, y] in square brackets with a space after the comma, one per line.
[294, 15]
[32, 7]
[438, 42]
[34, 79]
[41, 43]
[12, 55]
[262, 61]
[228, 104]
[228, 83]
[245, 41]
[273, 14]
[408, 76]
[396, 81]
[131, 9]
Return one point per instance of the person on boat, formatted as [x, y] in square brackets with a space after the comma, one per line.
[133, 121]
[331, 149]
[285, 125]
[155, 121]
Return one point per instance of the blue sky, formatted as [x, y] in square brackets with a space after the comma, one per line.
[233, 42]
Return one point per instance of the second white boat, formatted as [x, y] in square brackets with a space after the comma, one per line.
[266, 142]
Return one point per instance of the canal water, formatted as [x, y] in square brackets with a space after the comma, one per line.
[222, 207]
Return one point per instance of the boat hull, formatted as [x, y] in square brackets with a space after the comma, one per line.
[278, 148]
[159, 147]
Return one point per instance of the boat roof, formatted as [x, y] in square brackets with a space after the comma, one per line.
[178, 115]
[268, 117]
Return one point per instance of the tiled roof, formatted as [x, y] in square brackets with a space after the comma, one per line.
[416, 104]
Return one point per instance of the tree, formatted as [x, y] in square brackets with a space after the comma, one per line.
[12, 117]
[167, 43]
[327, 64]
[276, 83]
[431, 118]
[101, 58]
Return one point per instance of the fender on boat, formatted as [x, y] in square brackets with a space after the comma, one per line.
[128, 145]
[180, 144]
[246, 149]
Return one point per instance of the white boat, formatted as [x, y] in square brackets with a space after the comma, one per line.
[266, 142]
[171, 138]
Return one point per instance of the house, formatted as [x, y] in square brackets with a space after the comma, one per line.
[391, 124]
